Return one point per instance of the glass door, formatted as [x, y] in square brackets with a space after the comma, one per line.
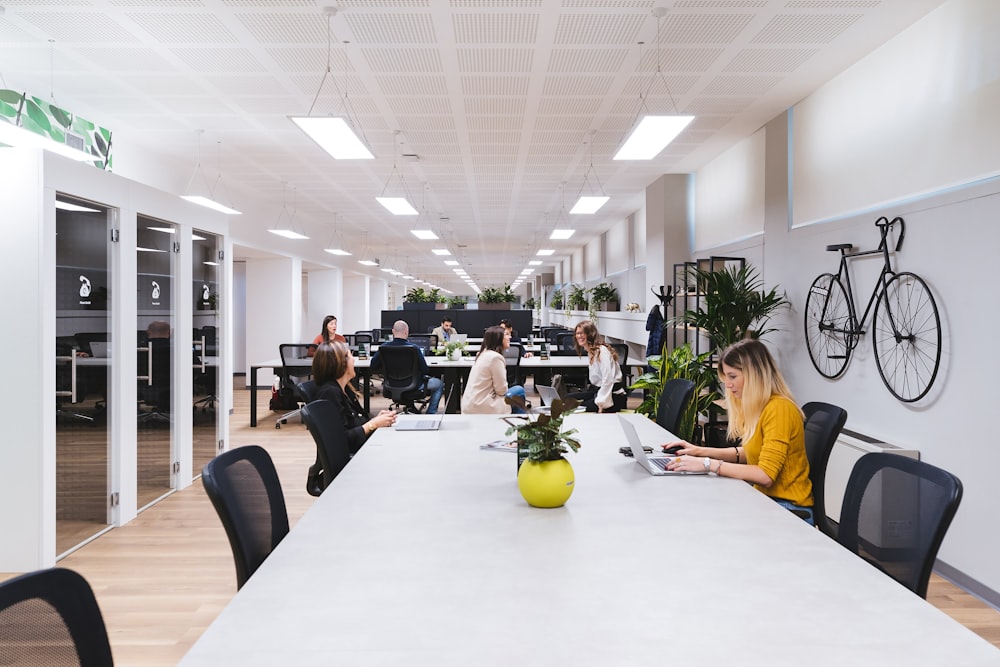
[82, 369]
[156, 248]
[205, 274]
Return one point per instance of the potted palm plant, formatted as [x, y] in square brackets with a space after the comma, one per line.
[417, 298]
[683, 363]
[578, 298]
[497, 298]
[456, 302]
[544, 477]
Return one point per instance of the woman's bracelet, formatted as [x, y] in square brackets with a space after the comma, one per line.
[737, 450]
[718, 469]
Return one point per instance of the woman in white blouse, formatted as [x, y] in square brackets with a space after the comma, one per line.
[606, 392]
[487, 384]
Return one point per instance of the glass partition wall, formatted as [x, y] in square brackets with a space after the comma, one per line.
[206, 269]
[156, 249]
[82, 369]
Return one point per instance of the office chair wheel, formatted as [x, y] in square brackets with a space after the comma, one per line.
[277, 424]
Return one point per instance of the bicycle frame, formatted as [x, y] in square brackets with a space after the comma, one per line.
[885, 275]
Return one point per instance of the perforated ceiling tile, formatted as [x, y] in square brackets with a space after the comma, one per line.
[281, 28]
[412, 85]
[399, 60]
[495, 122]
[154, 84]
[565, 105]
[562, 123]
[495, 106]
[594, 29]
[809, 29]
[79, 27]
[420, 105]
[127, 59]
[769, 60]
[218, 60]
[487, 61]
[703, 28]
[740, 85]
[391, 29]
[310, 59]
[183, 28]
[495, 28]
[577, 85]
[586, 60]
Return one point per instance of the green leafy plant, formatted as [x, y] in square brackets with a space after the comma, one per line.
[734, 305]
[603, 293]
[435, 296]
[453, 301]
[543, 435]
[578, 297]
[683, 363]
[556, 299]
[418, 295]
[453, 345]
[498, 295]
[531, 303]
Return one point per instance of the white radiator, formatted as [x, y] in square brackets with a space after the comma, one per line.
[850, 447]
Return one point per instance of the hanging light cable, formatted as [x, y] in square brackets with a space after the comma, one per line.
[198, 191]
[590, 203]
[396, 205]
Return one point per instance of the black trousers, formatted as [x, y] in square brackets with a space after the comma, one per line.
[588, 395]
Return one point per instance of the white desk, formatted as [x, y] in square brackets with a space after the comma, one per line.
[422, 552]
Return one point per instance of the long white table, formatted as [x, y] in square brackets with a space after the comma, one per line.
[422, 552]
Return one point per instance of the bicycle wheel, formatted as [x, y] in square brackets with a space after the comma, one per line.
[908, 354]
[830, 336]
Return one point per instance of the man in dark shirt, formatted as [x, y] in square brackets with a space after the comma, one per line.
[433, 385]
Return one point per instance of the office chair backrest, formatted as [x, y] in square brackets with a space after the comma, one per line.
[566, 341]
[402, 372]
[674, 400]
[425, 342]
[822, 427]
[512, 358]
[51, 618]
[243, 486]
[305, 392]
[918, 499]
[326, 425]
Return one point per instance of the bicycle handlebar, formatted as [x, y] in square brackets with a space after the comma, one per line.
[884, 225]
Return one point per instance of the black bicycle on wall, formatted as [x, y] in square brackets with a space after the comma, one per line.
[906, 328]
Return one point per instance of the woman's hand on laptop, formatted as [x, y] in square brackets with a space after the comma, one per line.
[682, 448]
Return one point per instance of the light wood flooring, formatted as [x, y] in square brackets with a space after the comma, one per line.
[164, 577]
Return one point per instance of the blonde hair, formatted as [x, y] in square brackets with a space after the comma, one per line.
[594, 341]
[761, 381]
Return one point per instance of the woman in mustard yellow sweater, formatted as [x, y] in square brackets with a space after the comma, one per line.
[768, 424]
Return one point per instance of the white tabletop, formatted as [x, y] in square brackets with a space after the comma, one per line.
[422, 552]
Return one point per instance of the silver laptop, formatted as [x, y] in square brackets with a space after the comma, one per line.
[654, 465]
[418, 422]
[547, 395]
[99, 349]
[459, 338]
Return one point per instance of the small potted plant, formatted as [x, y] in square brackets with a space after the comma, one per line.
[453, 349]
[456, 302]
[604, 296]
[497, 298]
[544, 477]
[531, 303]
[556, 299]
[578, 298]
[417, 298]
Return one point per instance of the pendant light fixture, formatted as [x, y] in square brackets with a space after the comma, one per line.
[654, 131]
[399, 202]
[198, 191]
[286, 230]
[336, 246]
[334, 133]
[589, 201]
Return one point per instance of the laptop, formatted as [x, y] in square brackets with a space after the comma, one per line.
[418, 422]
[99, 349]
[654, 465]
[547, 394]
[459, 338]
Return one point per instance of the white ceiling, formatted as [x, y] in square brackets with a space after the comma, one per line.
[503, 103]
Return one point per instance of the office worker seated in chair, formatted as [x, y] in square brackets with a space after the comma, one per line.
[606, 392]
[767, 422]
[333, 370]
[445, 331]
[487, 385]
[512, 334]
[431, 385]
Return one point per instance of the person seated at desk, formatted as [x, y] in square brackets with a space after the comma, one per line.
[512, 332]
[767, 422]
[444, 332]
[606, 392]
[486, 387]
[432, 385]
[328, 334]
[333, 370]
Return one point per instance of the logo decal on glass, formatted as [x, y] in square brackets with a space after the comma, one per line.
[84, 287]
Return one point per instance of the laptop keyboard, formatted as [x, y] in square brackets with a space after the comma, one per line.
[661, 463]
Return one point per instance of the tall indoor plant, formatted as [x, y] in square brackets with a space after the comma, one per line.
[544, 478]
[680, 362]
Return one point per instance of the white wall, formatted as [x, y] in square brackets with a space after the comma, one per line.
[274, 310]
[593, 254]
[618, 248]
[324, 297]
[729, 199]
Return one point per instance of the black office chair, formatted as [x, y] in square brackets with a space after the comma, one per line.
[296, 367]
[243, 486]
[674, 400]
[426, 342]
[381, 335]
[621, 349]
[154, 381]
[512, 357]
[565, 342]
[304, 392]
[326, 426]
[68, 391]
[822, 427]
[50, 617]
[205, 376]
[402, 377]
[895, 515]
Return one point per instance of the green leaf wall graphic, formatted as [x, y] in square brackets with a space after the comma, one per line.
[36, 115]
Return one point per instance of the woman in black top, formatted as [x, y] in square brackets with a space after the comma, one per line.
[333, 370]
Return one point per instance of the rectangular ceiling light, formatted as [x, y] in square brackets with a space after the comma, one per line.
[441, 251]
[66, 206]
[588, 204]
[545, 253]
[535, 262]
[651, 136]
[337, 251]
[367, 262]
[451, 262]
[561, 234]
[210, 203]
[424, 234]
[288, 234]
[335, 136]
[397, 205]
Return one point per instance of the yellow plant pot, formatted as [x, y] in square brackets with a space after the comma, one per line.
[546, 484]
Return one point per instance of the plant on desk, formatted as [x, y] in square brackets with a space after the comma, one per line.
[453, 349]
[544, 477]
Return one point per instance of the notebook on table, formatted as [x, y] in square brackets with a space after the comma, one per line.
[654, 465]
[418, 422]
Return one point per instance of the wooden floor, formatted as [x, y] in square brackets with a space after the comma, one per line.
[163, 578]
